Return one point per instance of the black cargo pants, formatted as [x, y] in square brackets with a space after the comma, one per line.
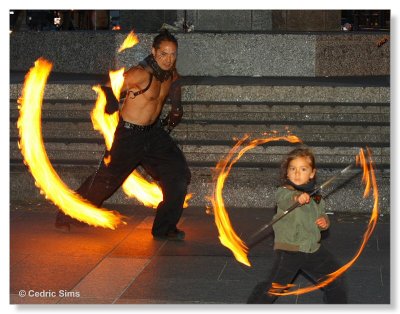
[314, 265]
[153, 148]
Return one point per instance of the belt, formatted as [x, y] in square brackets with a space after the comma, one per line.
[135, 127]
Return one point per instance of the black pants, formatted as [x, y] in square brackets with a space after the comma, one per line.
[154, 149]
[314, 265]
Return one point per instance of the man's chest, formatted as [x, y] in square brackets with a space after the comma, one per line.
[157, 92]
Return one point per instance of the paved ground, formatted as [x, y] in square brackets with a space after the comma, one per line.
[126, 266]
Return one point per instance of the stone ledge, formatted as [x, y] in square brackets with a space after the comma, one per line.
[210, 54]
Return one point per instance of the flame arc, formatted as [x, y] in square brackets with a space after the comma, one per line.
[33, 150]
[231, 240]
[148, 193]
[130, 41]
[369, 179]
[47, 180]
[227, 234]
[135, 186]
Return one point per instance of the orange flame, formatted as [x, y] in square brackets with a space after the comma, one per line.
[129, 42]
[227, 235]
[148, 193]
[368, 179]
[117, 81]
[35, 157]
[102, 122]
[281, 288]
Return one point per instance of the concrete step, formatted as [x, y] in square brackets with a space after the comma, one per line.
[240, 114]
[244, 188]
[17, 77]
[209, 155]
[259, 117]
[222, 91]
[211, 134]
[334, 119]
[271, 106]
[67, 128]
[286, 93]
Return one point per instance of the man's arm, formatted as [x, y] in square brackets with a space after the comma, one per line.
[176, 113]
[112, 104]
[132, 78]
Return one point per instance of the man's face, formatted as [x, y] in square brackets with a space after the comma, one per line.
[165, 55]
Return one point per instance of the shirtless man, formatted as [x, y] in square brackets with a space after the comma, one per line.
[140, 139]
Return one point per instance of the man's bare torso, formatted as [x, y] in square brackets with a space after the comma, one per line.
[144, 108]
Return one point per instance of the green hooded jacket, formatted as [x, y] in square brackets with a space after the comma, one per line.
[297, 231]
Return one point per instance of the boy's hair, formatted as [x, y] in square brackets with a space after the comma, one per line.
[164, 35]
[298, 152]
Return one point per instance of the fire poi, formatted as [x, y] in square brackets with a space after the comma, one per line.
[35, 157]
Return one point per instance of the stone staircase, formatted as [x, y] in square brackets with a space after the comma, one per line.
[334, 116]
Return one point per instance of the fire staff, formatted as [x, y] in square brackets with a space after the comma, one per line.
[140, 139]
[297, 235]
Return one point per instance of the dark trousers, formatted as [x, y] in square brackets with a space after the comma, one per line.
[314, 265]
[154, 149]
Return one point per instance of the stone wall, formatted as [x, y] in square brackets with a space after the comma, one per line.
[306, 20]
[211, 54]
[229, 20]
[234, 20]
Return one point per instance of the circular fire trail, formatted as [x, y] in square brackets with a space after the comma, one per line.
[227, 234]
[231, 240]
[369, 179]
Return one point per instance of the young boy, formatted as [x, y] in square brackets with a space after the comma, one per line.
[297, 235]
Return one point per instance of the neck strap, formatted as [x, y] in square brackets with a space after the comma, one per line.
[160, 74]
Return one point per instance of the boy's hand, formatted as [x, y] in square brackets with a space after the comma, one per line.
[322, 223]
[303, 198]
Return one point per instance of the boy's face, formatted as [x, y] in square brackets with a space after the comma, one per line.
[299, 170]
[165, 55]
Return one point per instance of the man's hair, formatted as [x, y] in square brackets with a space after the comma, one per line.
[164, 35]
[298, 152]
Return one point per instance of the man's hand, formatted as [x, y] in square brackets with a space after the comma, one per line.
[176, 113]
[112, 102]
[173, 118]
